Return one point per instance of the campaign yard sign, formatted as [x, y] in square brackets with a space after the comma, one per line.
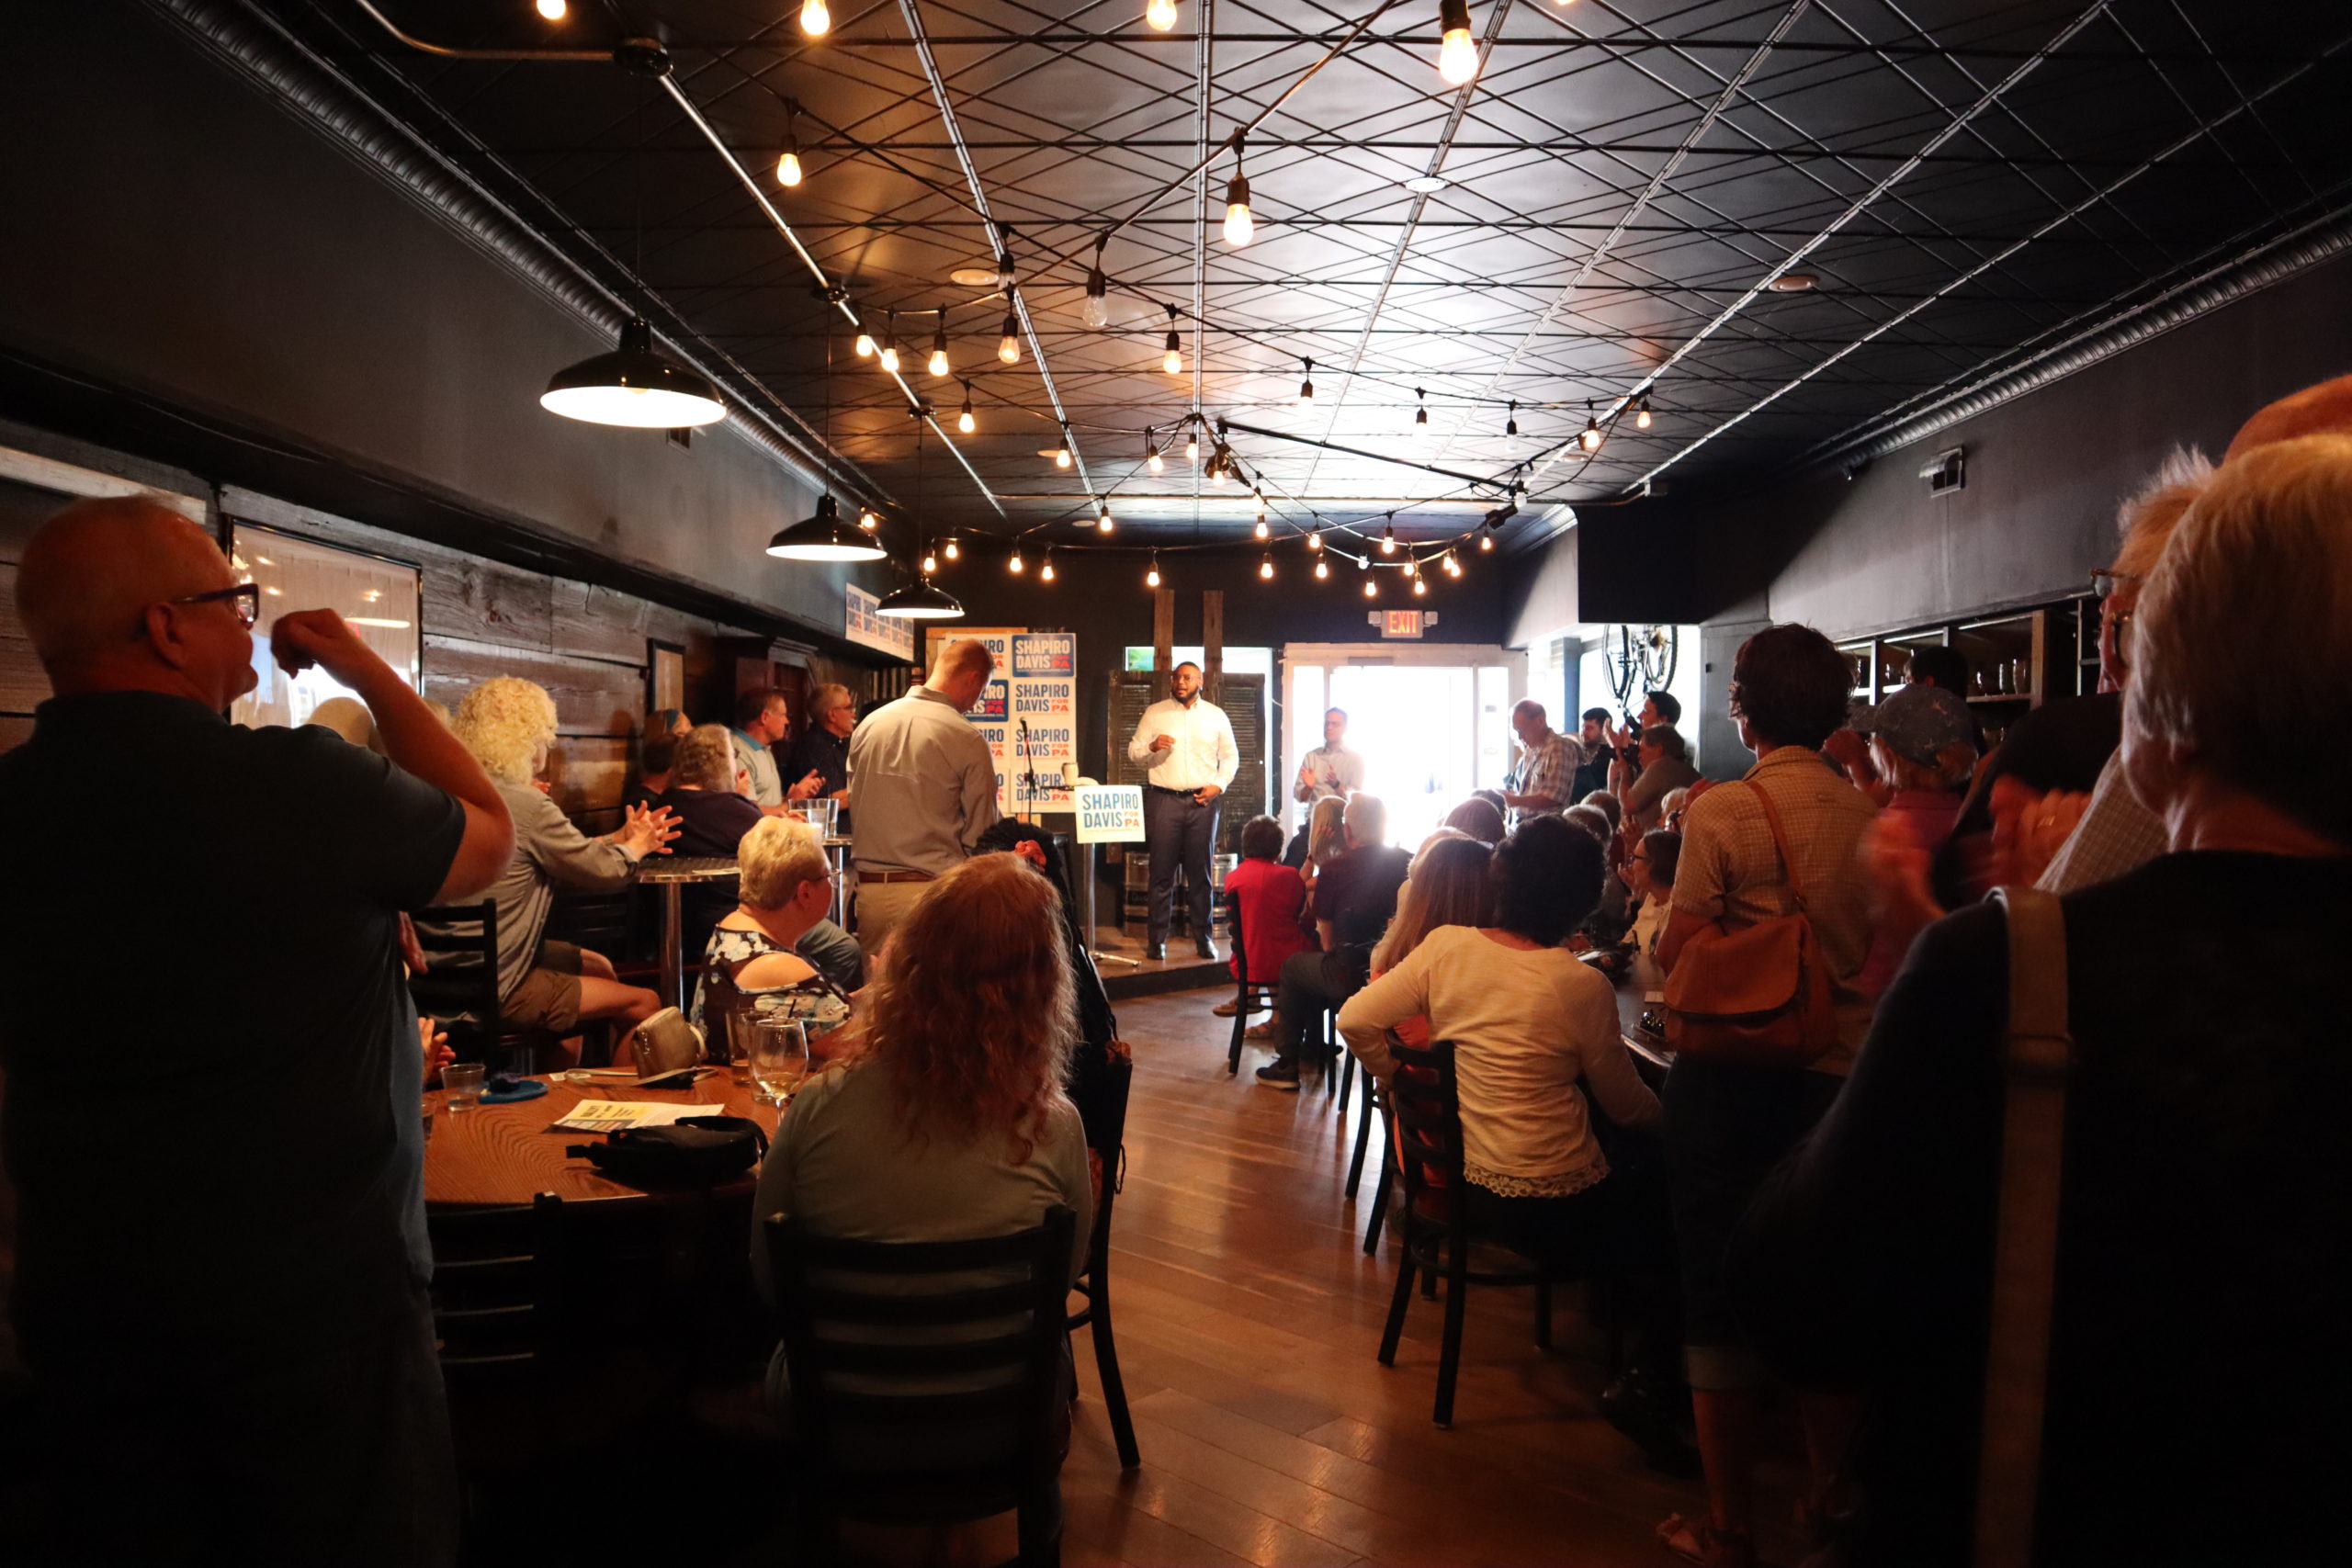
[1035, 687]
[1108, 813]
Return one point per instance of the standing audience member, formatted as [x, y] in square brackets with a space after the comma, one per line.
[1184, 743]
[1593, 737]
[1354, 897]
[1727, 1123]
[1925, 748]
[762, 719]
[1272, 898]
[508, 724]
[823, 752]
[1663, 764]
[1529, 1023]
[1940, 666]
[2205, 1179]
[1331, 768]
[235, 1316]
[1541, 784]
[923, 787]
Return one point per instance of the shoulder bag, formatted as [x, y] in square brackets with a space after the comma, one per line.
[1757, 996]
[2037, 1058]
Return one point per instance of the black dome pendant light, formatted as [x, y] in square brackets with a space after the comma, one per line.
[636, 385]
[822, 536]
[920, 600]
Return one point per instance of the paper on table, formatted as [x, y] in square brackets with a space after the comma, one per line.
[610, 1115]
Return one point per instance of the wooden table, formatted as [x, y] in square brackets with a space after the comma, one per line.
[1635, 994]
[504, 1154]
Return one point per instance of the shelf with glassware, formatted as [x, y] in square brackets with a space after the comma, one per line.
[2016, 660]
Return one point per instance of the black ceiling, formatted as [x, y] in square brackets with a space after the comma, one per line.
[1622, 177]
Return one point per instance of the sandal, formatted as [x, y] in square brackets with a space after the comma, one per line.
[1699, 1540]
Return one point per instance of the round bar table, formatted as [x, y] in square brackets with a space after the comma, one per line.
[670, 874]
[496, 1155]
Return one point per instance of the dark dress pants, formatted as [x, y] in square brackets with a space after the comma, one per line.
[1179, 830]
[1311, 983]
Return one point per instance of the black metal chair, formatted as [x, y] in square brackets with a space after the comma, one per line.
[1428, 1118]
[865, 1397]
[1249, 992]
[460, 987]
[1106, 1118]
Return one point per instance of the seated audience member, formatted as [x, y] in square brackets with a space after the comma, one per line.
[1324, 839]
[1609, 805]
[231, 1310]
[508, 725]
[672, 722]
[1665, 762]
[2206, 1173]
[1449, 886]
[752, 961]
[1479, 818]
[1670, 806]
[1925, 748]
[1354, 897]
[711, 817]
[1493, 797]
[762, 719]
[655, 760]
[944, 1117]
[1612, 911]
[1728, 1123]
[1273, 907]
[1527, 1020]
[348, 717]
[1649, 875]
[823, 750]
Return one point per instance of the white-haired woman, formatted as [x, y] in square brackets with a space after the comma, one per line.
[752, 964]
[508, 725]
[2196, 1369]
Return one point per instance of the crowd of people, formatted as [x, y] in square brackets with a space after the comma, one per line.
[1811, 1194]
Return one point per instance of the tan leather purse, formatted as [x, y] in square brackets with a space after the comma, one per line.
[665, 1043]
[1757, 996]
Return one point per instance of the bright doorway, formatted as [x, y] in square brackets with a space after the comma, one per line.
[1432, 724]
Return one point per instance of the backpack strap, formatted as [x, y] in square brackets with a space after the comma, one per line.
[2037, 1056]
[1780, 840]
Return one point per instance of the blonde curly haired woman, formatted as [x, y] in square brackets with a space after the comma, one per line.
[508, 724]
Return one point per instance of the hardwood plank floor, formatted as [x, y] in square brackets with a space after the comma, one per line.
[1247, 1318]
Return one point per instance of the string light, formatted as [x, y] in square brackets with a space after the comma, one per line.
[1486, 541]
[868, 519]
[1420, 585]
[1096, 311]
[1004, 273]
[1239, 228]
[1103, 515]
[553, 10]
[1322, 568]
[1220, 466]
[1151, 453]
[1420, 413]
[1008, 347]
[865, 344]
[938, 365]
[1591, 437]
[815, 19]
[1511, 426]
[787, 163]
[1642, 412]
[1046, 568]
[1457, 55]
[1192, 449]
[1013, 566]
[1061, 454]
[964, 420]
[1315, 537]
[1161, 14]
[1262, 532]
[1452, 566]
[1171, 359]
[1306, 385]
[1371, 588]
[930, 562]
[1266, 567]
[1389, 539]
[1151, 578]
[889, 360]
[951, 552]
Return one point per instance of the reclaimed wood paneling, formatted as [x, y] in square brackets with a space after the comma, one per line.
[590, 772]
[22, 685]
[591, 697]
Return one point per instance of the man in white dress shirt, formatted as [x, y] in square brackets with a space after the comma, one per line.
[1186, 745]
[1331, 768]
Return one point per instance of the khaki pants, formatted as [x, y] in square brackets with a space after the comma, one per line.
[881, 907]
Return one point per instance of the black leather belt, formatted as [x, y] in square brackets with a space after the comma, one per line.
[1180, 794]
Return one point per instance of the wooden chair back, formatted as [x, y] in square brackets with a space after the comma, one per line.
[459, 986]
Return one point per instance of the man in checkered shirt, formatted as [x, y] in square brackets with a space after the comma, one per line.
[1548, 762]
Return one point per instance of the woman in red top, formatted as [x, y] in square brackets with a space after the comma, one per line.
[1272, 898]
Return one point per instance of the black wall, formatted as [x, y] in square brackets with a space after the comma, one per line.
[195, 271]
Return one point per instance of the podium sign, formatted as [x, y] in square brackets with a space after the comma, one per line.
[1108, 813]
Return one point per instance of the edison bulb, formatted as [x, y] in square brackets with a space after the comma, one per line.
[1104, 521]
[553, 10]
[1641, 417]
[937, 364]
[1322, 569]
[815, 19]
[1485, 541]
[1096, 311]
[1420, 585]
[865, 345]
[1008, 348]
[1266, 569]
[1192, 449]
[1154, 462]
[1013, 566]
[1239, 229]
[1591, 438]
[952, 552]
[1457, 56]
[1045, 571]
[1151, 578]
[1172, 362]
[1061, 457]
[1262, 525]
[890, 359]
[1161, 14]
[929, 563]
[1371, 588]
[1315, 539]
[788, 169]
[966, 422]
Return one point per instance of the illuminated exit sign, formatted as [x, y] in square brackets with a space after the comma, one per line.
[1402, 622]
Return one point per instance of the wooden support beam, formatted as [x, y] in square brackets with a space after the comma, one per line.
[1213, 643]
[1163, 639]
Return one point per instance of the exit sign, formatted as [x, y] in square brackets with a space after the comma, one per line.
[1401, 622]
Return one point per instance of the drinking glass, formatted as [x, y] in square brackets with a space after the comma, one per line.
[779, 1057]
[734, 1027]
[463, 1081]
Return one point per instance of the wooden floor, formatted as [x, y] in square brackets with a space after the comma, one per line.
[1247, 1317]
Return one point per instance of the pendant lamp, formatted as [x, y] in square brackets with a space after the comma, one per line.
[636, 385]
[824, 537]
[924, 601]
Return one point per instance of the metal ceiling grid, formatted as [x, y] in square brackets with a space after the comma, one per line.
[1622, 175]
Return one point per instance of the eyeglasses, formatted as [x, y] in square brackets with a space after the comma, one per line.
[244, 599]
[2107, 579]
